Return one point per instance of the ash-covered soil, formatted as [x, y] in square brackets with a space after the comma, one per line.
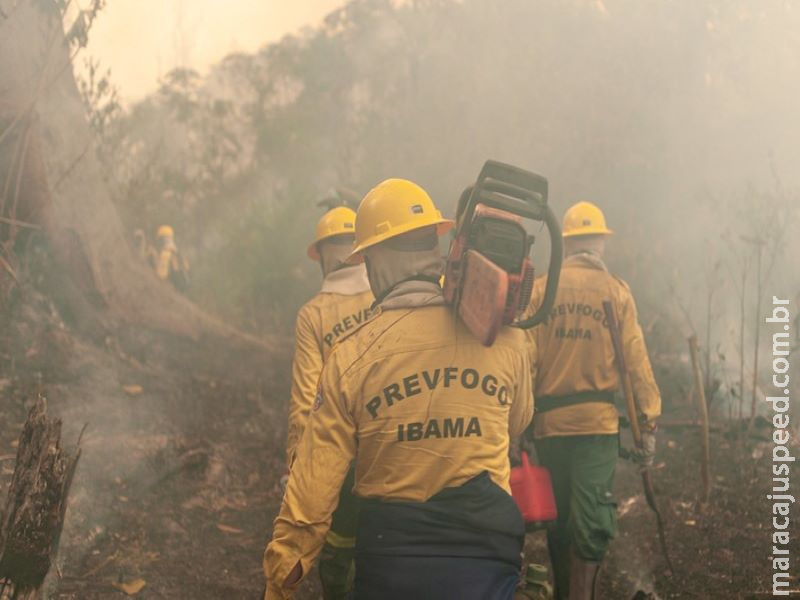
[722, 549]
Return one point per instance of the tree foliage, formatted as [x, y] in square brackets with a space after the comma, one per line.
[633, 105]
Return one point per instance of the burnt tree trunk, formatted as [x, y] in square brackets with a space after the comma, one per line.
[51, 178]
[33, 516]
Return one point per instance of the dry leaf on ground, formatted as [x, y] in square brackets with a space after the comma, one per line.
[229, 529]
[131, 588]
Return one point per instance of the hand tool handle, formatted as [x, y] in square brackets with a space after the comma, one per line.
[624, 375]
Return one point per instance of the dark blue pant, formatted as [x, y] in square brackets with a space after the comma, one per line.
[464, 543]
[434, 578]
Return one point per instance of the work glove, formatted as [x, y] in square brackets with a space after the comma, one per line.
[645, 455]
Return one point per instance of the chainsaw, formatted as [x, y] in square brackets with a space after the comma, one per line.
[489, 273]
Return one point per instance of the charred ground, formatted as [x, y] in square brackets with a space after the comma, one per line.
[178, 482]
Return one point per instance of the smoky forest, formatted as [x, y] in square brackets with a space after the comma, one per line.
[155, 251]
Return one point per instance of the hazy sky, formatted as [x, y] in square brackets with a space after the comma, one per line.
[141, 40]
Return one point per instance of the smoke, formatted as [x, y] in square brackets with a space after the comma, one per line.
[677, 118]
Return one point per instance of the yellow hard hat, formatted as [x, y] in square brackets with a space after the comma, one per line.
[337, 221]
[584, 218]
[165, 231]
[394, 207]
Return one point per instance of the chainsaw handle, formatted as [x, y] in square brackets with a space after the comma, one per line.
[553, 271]
[508, 188]
[507, 196]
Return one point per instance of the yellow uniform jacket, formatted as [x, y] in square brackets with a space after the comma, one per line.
[169, 261]
[320, 323]
[419, 404]
[575, 354]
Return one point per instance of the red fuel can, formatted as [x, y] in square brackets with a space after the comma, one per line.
[533, 492]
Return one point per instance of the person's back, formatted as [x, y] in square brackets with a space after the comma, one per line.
[575, 353]
[420, 388]
[337, 313]
[321, 322]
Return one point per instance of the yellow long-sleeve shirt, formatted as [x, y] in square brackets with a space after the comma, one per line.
[419, 404]
[168, 261]
[335, 311]
[575, 353]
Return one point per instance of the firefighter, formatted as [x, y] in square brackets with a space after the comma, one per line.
[170, 264]
[341, 305]
[576, 426]
[426, 412]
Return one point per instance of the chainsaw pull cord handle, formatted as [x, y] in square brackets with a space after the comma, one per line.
[553, 271]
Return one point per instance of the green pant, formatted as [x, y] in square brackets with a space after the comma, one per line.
[336, 561]
[582, 470]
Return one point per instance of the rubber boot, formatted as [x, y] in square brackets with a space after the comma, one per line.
[558, 548]
[583, 579]
[535, 586]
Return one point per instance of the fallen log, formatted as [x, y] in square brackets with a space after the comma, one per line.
[33, 516]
